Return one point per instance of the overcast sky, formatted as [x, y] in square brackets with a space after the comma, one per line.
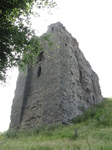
[90, 22]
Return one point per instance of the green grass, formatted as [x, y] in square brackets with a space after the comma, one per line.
[94, 130]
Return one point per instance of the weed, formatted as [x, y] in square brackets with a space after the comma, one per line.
[12, 134]
[101, 113]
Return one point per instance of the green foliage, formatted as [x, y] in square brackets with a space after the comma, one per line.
[39, 130]
[12, 134]
[101, 113]
[16, 39]
[104, 115]
[92, 134]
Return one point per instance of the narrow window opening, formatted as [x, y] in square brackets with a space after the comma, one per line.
[52, 28]
[65, 44]
[93, 98]
[39, 72]
[80, 76]
[72, 73]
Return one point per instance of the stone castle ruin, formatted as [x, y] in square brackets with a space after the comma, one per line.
[60, 86]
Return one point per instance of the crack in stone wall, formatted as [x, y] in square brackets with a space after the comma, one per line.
[26, 92]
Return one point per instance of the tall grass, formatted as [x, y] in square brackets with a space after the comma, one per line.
[91, 131]
[101, 114]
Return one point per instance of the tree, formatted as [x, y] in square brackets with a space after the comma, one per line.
[18, 44]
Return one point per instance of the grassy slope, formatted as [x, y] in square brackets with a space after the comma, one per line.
[94, 130]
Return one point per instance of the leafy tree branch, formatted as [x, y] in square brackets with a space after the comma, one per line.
[18, 43]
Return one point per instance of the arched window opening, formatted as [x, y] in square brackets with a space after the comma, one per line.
[39, 72]
[40, 57]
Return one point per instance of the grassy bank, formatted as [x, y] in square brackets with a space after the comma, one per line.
[94, 132]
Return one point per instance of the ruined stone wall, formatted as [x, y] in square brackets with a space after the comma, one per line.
[60, 86]
[42, 105]
[79, 83]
